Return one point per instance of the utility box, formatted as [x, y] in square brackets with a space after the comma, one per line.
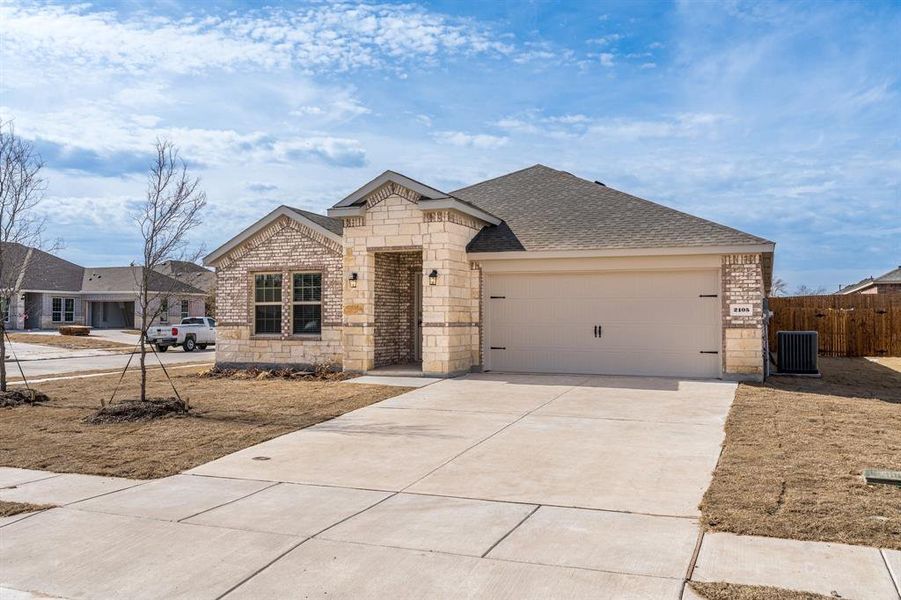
[797, 352]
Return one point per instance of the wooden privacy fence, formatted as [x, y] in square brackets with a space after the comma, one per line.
[852, 325]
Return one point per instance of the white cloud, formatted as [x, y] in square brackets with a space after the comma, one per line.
[606, 58]
[97, 128]
[313, 38]
[606, 40]
[335, 151]
[648, 65]
[684, 125]
[338, 109]
[479, 140]
[581, 126]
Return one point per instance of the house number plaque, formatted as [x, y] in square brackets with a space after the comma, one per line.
[740, 310]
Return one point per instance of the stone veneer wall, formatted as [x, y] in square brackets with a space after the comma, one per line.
[450, 328]
[395, 274]
[743, 336]
[285, 247]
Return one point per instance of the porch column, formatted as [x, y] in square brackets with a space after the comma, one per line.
[358, 327]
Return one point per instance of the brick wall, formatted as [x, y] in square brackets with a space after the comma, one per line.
[285, 247]
[743, 334]
[395, 332]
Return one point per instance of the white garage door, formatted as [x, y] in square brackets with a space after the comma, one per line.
[627, 323]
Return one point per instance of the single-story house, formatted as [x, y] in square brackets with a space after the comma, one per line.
[534, 271]
[888, 283]
[55, 292]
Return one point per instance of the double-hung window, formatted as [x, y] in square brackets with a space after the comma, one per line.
[164, 311]
[185, 313]
[267, 296]
[4, 307]
[62, 310]
[307, 301]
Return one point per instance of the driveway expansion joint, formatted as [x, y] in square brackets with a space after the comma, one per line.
[506, 535]
[229, 502]
[891, 576]
[485, 439]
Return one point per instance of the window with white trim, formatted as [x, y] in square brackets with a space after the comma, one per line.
[185, 306]
[4, 307]
[62, 310]
[164, 311]
[267, 303]
[307, 303]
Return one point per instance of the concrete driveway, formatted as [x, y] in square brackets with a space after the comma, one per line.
[484, 486]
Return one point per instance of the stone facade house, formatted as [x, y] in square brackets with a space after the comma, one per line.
[535, 271]
[55, 292]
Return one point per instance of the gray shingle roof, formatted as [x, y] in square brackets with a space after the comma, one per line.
[546, 209]
[333, 225]
[893, 276]
[190, 273]
[125, 279]
[44, 271]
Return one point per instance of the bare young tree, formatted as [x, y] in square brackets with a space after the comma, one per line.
[169, 213]
[803, 290]
[21, 227]
[779, 287]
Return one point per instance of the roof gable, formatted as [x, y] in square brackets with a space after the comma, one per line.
[327, 227]
[421, 190]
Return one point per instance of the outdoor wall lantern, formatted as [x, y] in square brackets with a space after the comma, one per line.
[433, 277]
[352, 280]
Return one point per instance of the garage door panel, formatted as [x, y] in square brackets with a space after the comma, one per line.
[653, 323]
[520, 311]
[613, 362]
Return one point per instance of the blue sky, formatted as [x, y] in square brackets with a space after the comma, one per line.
[781, 119]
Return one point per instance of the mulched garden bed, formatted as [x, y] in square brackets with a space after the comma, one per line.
[20, 396]
[130, 411]
[320, 373]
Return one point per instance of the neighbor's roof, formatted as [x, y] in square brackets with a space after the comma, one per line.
[43, 271]
[893, 276]
[190, 273]
[126, 279]
[546, 209]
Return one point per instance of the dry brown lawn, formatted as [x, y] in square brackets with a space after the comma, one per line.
[9, 509]
[230, 415]
[71, 342]
[732, 591]
[794, 454]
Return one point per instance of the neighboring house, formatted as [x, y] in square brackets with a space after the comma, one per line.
[889, 283]
[534, 271]
[191, 273]
[57, 292]
[194, 275]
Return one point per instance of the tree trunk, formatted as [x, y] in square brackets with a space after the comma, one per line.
[2, 357]
[143, 366]
[143, 357]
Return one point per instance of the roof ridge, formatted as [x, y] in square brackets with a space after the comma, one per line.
[472, 185]
[638, 200]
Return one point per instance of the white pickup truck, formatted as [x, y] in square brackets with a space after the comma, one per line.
[191, 333]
